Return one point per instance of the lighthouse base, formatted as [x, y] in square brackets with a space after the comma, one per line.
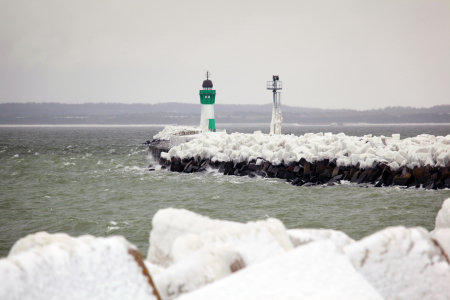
[207, 121]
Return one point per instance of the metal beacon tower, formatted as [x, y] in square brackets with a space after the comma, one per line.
[275, 85]
[207, 99]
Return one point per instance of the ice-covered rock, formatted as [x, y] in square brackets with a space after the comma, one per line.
[442, 237]
[422, 150]
[402, 263]
[77, 268]
[314, 271]
[197, 270]
[443, 216]
[38, 240]
[170, 223]
[303, 236]
[255, 241]
[172, 130]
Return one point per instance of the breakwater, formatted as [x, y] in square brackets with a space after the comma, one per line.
[304, 173]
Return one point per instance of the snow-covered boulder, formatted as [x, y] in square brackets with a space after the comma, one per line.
[315, 271]
[443, 216]
[402, 263]
[303, 236]
[77, 268]
[37, 240]
[255, 241]
[170, 223]
[197, 270]
[442, 237]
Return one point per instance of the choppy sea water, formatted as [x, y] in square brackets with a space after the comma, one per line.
[94, 180]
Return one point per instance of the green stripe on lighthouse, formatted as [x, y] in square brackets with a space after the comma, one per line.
[212, 125]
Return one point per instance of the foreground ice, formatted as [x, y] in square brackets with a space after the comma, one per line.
[314, 271]
[303, 236]
[195, 257]
[169, 224]
[74, 268]
[443, 216]
[197, 270]
[402, 263]
[422, 150]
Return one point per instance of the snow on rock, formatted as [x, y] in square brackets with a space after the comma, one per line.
[443, 216]
[303, 236]
[315, 271]
[442, 237]
[39, 240]
[255, 241]
[413, 152]
[197, 270]
[402, 263]
[77, 268]
[170, 130]
[170, 223]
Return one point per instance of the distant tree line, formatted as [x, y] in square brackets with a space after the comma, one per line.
[188, 114]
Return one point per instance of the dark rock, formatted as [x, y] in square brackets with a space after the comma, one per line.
[252, 166]
[362, 177]
[355, 177]
[307, 169]
[323, 178]
[421, 174]
[389, 180]
[336, 171]
[379, 184]
[403, 180]
[300, 183]
[289, 176]
[280, 174]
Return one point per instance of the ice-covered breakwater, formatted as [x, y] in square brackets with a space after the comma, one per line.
[421, 161]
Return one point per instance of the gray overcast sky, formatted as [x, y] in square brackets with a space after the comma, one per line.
[329, 54]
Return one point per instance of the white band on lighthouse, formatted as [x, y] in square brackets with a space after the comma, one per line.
[207, 114]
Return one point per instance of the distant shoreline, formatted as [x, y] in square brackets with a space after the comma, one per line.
[221, 124]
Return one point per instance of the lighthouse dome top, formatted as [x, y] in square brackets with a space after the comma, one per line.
[207, 84]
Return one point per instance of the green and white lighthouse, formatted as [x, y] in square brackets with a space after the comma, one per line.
[207, 99]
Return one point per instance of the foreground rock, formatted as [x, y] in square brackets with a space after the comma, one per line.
[443, 216]
[170, 223]
[402, 263]
[75, 268]
[201, 268]
[301, 237]
[314, 271]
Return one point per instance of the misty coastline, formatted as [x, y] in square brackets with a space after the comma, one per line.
[188, 114]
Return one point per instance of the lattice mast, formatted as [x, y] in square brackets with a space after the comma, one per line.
[277, 118]
[207, 99]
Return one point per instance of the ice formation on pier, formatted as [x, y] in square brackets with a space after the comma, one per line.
[422, 150]
[172, 130]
